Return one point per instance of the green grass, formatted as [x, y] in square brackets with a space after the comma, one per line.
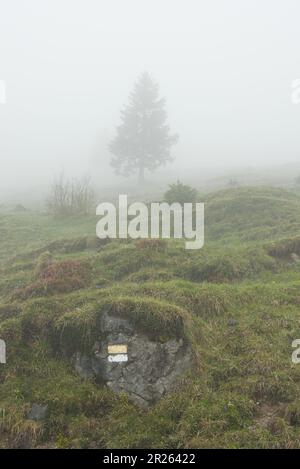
[237, 301]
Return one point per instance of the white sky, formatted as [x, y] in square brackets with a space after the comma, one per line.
[224, 66]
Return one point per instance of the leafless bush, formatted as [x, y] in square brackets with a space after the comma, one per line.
[70, 197]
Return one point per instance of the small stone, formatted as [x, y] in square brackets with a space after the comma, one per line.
[232, 322]
[37, 412]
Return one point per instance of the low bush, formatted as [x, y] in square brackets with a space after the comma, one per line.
[57, 277]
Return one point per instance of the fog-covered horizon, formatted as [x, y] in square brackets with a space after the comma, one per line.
[224, 67]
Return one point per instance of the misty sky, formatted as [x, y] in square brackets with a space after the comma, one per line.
[224, 66]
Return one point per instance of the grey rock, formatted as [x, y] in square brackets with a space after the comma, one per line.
[115, 325]
[232, 322]
[152, 369]
[37, 412]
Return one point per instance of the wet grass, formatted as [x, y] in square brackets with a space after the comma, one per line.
[237, 301]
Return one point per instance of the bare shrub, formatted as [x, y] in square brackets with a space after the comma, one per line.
[70, 197]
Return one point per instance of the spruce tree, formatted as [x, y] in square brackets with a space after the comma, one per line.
[143, 140]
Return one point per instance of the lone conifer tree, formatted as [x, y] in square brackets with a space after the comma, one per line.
[143, 140]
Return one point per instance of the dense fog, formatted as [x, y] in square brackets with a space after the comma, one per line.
[226, 68]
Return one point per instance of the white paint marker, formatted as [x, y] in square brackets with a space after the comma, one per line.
[121, 357]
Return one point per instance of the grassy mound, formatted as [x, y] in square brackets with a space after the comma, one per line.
[284, 248]
[57, 277]
[159, 320]
[234, 264]
[252, 213]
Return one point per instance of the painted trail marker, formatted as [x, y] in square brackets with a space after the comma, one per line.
[116, 348]
[118, 358]
[117, 353]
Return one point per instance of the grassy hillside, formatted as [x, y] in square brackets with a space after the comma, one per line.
[236, 300]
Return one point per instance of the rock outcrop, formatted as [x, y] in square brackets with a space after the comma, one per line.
[145, 369]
